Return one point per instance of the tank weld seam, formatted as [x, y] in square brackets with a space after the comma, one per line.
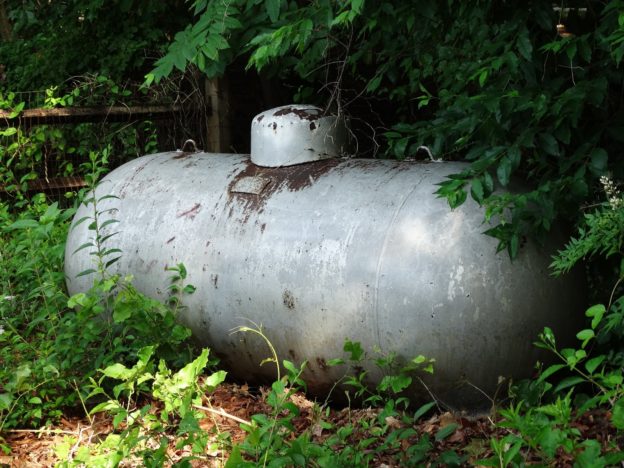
[381, 257]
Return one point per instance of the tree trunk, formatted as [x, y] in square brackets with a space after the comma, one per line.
[5, 26]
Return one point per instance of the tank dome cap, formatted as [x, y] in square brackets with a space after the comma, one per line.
[296, 134]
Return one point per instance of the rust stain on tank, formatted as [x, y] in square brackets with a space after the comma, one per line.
[122, 192]
[290, 178]
[312, 126]
[182, 154]
[190, 213]
[322, 363]
[303, 114]
[289, 300]
[215, 280]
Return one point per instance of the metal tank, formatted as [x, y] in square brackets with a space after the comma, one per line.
[325, 251]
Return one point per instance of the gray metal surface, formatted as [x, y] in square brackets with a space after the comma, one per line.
[296, 134]
[320, 252]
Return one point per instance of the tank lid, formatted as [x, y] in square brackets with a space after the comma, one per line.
[296, 134]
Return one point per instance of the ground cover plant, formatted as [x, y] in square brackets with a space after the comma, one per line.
[158, 400]
[518, 89]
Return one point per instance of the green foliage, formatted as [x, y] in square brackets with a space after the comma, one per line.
[590, 377]
[271, 439]
[488, 82]
[181, 392]
[48, 151]
[601, 233]
[52, 42]
[52, 344]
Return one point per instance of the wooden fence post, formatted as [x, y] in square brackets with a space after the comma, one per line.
[218, 123]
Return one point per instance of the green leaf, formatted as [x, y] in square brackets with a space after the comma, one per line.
[188, 424]
[9, 131]
[335, 362]
[524, 46]
[482, 77]
[355, 349]
[550, 371]
[108, 222]
[476, 190]
[445, 432]
[585, 336]
[235, 459]
[5, 401]
[568, 382]
[78, 299]
[374, 84]
[398, 383]
[122, 312]
[596, 313]
[503, 172]
[420, 412]
[119, 417]
[549, 144]
[215, 379]
[617, 416]
[118, 371]
[598, 161]
[24, 224]
[273, 9]
[511, 453]
[592, 364]
[83, 246]
[145, 354]
[488, 182]
[110, 405]
[514, 245]
[111, 262]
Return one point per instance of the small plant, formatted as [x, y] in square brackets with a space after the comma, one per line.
[398, 377]
[177, 287]
[146, 427]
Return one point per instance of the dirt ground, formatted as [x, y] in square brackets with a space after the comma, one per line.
[232, 404]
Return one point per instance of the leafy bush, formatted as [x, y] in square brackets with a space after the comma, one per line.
[491, 83]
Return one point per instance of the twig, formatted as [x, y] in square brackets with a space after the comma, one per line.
[222, 412]
[436, 400]
[482, 392]
[613, 292]
[40, 431]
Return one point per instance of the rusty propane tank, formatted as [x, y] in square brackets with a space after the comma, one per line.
[324, 250]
